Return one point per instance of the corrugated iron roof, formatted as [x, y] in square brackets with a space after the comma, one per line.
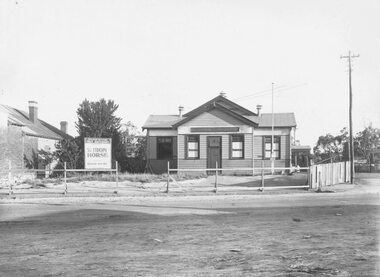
[264, 120]
[39, 129]
[161, 121]
[280, 120]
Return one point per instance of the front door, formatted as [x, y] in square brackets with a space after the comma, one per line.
[214, 152]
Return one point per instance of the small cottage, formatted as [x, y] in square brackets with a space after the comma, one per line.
[23, 134]
[218, 132]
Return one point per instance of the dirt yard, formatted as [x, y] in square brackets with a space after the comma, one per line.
[198, 186]
[325, 234]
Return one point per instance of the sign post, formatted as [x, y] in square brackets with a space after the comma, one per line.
[97, 153]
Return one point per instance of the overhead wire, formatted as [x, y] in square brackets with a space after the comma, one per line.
[268, 91]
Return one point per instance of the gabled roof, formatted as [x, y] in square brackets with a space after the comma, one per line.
[222, 101]
[40, 129]
[228, 107]
[211, 106]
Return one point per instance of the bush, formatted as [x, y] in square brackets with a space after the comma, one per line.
[132, 165]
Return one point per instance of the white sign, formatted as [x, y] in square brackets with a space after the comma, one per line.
[97, 153]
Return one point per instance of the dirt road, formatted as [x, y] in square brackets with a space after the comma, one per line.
[329, 234]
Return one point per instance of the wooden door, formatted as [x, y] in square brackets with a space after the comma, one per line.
[214, 152]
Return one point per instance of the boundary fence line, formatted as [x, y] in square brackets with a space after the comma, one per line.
[329, 174]
[216, 170]
[317, 175]
[49, 171]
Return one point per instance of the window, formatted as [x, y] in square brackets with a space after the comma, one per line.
[268, 147]
[192, 147]
[164, 148]
[237, 147]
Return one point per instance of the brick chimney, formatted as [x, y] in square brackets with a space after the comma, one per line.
[64, 126]
[33, 111]
[258, 108]
[180, 111]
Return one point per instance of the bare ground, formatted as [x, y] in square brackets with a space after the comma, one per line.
[332, 234]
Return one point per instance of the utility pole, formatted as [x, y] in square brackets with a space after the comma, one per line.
[272, 150]
[351, 143]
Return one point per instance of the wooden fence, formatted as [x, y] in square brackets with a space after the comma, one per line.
[329, 174]
[12, 172]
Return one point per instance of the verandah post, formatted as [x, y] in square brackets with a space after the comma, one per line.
[167, 179]
[216, 176]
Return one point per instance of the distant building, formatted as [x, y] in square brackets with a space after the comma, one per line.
[375, 160]
[219, 131]
[23, 134]
[300, 154]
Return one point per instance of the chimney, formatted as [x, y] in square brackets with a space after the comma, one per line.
[223, 94]
[33, 111]
[180, 110]
[258, 107]
[64, 126]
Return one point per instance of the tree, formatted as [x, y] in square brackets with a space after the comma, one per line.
[97, 119]
[365, 141]
[332, 148]
[67, 150]
[134, 143]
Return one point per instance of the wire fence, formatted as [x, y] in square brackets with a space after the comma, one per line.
[219, 179]
[12, 174]
[262, 171]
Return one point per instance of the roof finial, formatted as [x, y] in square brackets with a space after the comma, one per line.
[223, 94]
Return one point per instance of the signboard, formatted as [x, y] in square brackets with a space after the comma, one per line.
[97, 153]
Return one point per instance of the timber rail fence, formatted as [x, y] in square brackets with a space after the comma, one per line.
[13, 171]
[317, 175]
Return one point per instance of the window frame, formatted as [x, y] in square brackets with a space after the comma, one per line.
[187, 147]
[157, 148]
[279, 146]
[242, 149]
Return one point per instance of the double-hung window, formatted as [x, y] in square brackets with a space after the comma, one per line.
[164, 148]
[192, 147]
[237, 147]
[268, 147]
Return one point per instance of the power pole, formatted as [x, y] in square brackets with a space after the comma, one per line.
[272, 150]
[351, 143]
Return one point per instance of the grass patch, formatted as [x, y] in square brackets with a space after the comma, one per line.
[107, 177]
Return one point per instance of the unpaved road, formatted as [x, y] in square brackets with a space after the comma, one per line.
[326, 234]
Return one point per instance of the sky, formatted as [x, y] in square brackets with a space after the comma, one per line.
[152, 56]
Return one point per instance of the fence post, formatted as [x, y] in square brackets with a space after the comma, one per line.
[216, 177]
[117, 174]
[167, 179]
[262, 175]
[10, 177]
[65, 177]
[320, 180]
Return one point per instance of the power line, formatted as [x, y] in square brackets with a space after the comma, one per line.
[268, 91]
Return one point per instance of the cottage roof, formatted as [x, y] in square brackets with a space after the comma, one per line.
[280, 120]
[220, 102]
[161, 121]
[38, 129]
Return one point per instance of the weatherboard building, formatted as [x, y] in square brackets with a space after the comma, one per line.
[218, 132]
